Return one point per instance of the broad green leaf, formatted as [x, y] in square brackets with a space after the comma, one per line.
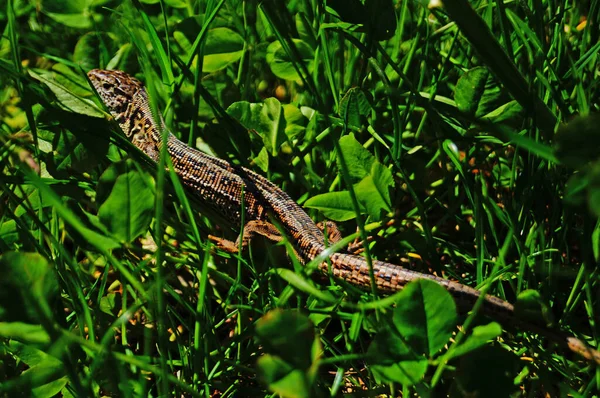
[267, 119]
[71, 13]
[108, 304]
[407, 372]
[502, 174]
[354, 106]
[282, 65]
[392, 360]
[480, 336]
[272, 125]
[305, 29]
[470, 89]
[46, 373]
[262, 160]
[295, 121]
[531, 307]
[72, 80]
[80, 153]
[68, 6]
[425, 316]
[129, 208]
[336, 206]
[24, 332]
[421, 324]
[246, 113]
[596, 243]
[289, 335]
[28, 287]
[66, 98]
[223, 46]
[93, 50]
[512, 112]
[283, 379]
[373, 192]
[9, 234]
[52, 381]
[358, 159]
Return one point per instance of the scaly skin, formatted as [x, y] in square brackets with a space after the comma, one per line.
[219, 186]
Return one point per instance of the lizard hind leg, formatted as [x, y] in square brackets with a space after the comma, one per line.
[334, 235]
[252, 229]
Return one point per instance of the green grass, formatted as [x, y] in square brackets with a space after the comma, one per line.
[462, 140]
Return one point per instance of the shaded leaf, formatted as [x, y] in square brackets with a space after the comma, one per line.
[487, 372]
[223, 46]
[91, 49]
[46, 374]
[392, 360]
[425, 316]
[470, 89]
[28, 287]
[282, 65]
[66, 98]
[531, 307]
[421, 324]
[512, 113]
[82, 227]
[128, 210]
[578, 142]
[73, 152]
[289, 335]
[354, 106]
[72, 13]
[407, 372]
[283, 379]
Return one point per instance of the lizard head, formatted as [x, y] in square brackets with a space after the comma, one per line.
[117, 90]
[127, 101]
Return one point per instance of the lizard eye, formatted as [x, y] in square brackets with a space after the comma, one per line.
[120, 92]
[106, 86]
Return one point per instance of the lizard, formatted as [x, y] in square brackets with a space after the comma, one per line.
[226, 190]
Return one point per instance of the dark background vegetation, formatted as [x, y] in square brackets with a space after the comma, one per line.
[461, 138]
